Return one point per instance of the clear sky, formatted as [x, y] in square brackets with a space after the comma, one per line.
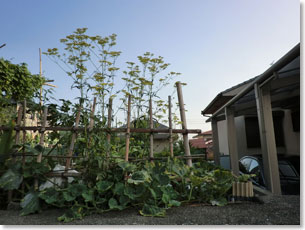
[215, 44]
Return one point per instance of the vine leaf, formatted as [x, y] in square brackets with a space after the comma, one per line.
[10, 180]
[30, 203]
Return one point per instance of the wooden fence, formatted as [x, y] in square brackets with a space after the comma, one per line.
[128, 130]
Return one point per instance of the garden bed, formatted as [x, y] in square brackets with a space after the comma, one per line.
[271, 210]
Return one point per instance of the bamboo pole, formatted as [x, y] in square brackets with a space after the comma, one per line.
[151, 125]
[40, 74]
[91, 124]
[41, 141]
[18, 124]
[184, 125]
[171, 147]
[42, 131]
[24, 139]
[10, 192]
[74, 135]
[114, 130]
[109, 124]
[128, 128]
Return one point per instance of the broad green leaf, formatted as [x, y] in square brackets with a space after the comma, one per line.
[139, 177]
[113, 204]
[103, 186]
[10, 180]
[49, 195]
[174, 203]
[219, 202]
[30, 203]
[151, 210]
[119, 188]
[88, 195]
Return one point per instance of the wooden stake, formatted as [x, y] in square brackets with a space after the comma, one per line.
[184, 125]
[151, 124]
[91, 124]
[41, 141]
[74, 135]
[43, 126]
[171, 147]
[128, 128]
[18, 124]
[109, 124]
[40, 73]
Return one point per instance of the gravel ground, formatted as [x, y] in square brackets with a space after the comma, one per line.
[271, 210]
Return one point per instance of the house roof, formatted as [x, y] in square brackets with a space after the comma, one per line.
[198, 143]
[206, 133]
[156, 124]
[225, 96]
[284, 76]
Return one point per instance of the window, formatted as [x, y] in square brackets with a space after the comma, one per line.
[252, 130]
[286, 169]
[244, 165]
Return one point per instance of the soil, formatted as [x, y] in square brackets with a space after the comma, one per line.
[270, 210]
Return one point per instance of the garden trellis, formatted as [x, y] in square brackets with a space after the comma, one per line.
[109, 130]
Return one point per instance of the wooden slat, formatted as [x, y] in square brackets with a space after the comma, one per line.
[171, 146]
[109, 123]
[151, 125]
[268, 145]
[232, 141]
[74, 135]
[128, 128]
[216, 153]
[184, 125]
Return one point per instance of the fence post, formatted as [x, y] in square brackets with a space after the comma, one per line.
[109, 124]
[184, 125]
[171, 147]
[74, 135]
[41, 141]
[128, 128]
[151, 125]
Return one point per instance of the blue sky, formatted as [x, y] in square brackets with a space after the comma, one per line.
[215, 44]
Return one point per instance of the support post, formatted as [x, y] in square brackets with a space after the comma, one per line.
[151, 125]
[267, 137]
[109, 124]
[171, 147]
[91, 124]
[74, 135]
[232, 142]
[184, 125]
[216, 153]
[128, 128]
[41, 141]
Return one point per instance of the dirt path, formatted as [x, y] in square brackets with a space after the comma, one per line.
[275, 210]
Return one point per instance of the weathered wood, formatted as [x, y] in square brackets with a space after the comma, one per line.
[74, 135]
[109, 123]
[40, 73]
[232, 141]
[267, 137]
[91, 123]
[41, 141]
[170, 124]
[151, 125]
[18, 124]
[128, 128]
[184, 125]
[42, 131]
[216, 153]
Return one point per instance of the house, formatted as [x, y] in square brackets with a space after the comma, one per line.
[260, 116]
[161, 140]
[203, 142]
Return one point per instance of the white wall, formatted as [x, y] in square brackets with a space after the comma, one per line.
[222, 137]
[291, 138]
